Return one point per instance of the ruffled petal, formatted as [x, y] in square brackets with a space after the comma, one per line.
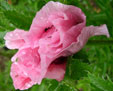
[29, 61]
[56, 71]
[20, 79]
[82, 39]
[61, 16]
[15, 39]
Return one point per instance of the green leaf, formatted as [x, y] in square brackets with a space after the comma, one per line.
[84, 84]
[4, 23]
[1, 38]
[104, 85]
[19, 19]
[77, 69]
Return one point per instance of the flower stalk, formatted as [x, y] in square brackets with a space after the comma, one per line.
[100, 42]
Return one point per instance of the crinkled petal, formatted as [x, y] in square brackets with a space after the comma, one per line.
[29, 61]
[82, 39]
[56, 71]
[61, 16]
[20, 79]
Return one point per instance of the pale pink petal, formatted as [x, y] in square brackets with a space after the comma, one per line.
[15, 39]
[82, 39]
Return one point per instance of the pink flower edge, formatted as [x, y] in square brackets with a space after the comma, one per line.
[15, 39]
[82, 39]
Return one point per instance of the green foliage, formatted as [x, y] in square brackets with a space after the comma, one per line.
[88, 70]
[77, 69]
[5, 79]
[20, 19]
[102, 84]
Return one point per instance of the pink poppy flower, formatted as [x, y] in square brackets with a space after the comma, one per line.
[57, 31]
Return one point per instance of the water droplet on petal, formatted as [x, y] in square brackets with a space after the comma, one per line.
[23, 53]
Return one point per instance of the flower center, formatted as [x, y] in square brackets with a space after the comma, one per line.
[60, 60]
[46, 29]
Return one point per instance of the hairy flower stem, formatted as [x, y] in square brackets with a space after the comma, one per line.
[100, 42]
